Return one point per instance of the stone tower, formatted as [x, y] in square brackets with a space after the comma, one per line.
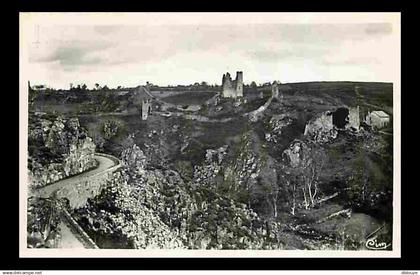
[227, 86]
[275, 90]
[232, 88]
[143, 100]
[145, 109]
[239, 81]
[354, 118]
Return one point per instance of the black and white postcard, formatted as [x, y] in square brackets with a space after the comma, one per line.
[210, 135]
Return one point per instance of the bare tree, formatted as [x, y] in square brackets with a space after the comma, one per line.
[303, 177]
[314, 161]
[293, 207]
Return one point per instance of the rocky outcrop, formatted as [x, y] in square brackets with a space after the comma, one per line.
[205, 174]
[276, 124]
[293, 155]
[243, 168]
[216, 155]
[110, 129]
[248, 166]
[58, 148]
[321, 128]
[134, 158]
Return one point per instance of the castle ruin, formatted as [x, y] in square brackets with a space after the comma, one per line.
[354, 118]
[146, 108]
[233, 88]
[142, 99]
[275, 90]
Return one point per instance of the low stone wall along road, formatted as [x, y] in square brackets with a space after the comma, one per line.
[78, 189]
[104, 163]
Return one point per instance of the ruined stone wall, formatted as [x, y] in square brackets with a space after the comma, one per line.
[275, 90]
[354, 118]
[232, 88]
[239, 81]
[321, 128]
[228, 87]
[324, 122]
[145, 109]
[256, 114]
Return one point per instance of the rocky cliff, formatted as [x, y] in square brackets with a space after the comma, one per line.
[321, 128]
[58, 148]
[276, 126]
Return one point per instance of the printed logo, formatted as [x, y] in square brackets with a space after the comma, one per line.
[372, 242]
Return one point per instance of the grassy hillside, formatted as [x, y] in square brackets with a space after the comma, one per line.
[189, 98]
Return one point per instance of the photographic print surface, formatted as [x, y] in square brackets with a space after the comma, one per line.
[223, 134]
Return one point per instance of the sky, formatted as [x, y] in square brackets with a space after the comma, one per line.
[128, 55]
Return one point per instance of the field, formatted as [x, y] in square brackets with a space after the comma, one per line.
[185, 98]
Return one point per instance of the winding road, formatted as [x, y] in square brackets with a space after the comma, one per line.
[71, 237]
[104, 163]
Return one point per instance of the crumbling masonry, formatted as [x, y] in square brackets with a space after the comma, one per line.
[232, 88]
[275, 90]
[145, 109]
